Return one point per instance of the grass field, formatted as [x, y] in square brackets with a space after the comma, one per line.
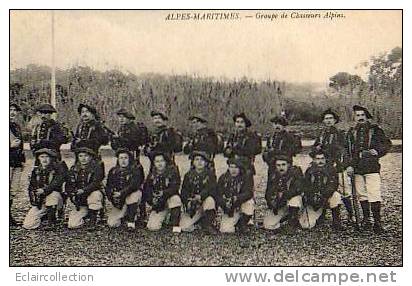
[118, 247]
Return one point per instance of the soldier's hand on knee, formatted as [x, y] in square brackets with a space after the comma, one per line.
[350, 171]
[39, 191]
[116, 194]
[373, 152]
[79, 192]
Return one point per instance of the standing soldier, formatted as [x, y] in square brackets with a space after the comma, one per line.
[204, 139]
[162, 191]
[235, 196]
[123, 189]
[332, 141]
[16, 157]
[321, 185]
[163, 138]
[45, 189]
[47, 133]
[243, 143]
[84, 187]
[284, 194]
[366, 144]
[198, 194]
[130, 135]
[89, 133]
[281, 142]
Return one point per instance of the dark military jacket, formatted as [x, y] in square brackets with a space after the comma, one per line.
[47, 134]
[91, 134]
[361, 139]
[124, 180]
[158, 188]
[244, 145]
[130, 136]
[228, 187]
[204, 139]
[281, 188]
[162, 140]
[320, 181]
[88, 179]
[194, 183]
[281, 143]
[332, 141]
[16, 154]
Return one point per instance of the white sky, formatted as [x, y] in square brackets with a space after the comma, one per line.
[142, 41]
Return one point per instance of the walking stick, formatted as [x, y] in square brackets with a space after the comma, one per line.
[355, 202]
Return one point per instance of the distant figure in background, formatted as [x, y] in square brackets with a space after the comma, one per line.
[45, 189]
[366, 143]
[332, 141]
[47, 133]
[282, 142]
[16, 157]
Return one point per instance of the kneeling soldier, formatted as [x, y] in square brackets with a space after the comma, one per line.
[84, 187]
[235, 196]
[161, 189]
[283, 194]
[198, 191]
[45, 189]
[321, 192]
[123, 189]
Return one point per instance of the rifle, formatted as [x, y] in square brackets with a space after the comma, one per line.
[355, 202]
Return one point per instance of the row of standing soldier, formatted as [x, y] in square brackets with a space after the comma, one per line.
[341, 161]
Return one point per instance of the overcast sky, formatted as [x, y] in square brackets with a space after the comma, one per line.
[298, 50]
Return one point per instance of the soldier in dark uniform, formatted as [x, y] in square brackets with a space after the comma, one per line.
[204, 138]
[332, 141]
[281, 142]
[16, 157]
[123, 189]
[243, 143]
[235, 196]
[48, 133]
[45, 189]
[89, 133]
[130, 135]
[161, 188]
[366, 143]
[85, 188]
[198, 194]
[162, 139]
[321, 191]
[283, 194]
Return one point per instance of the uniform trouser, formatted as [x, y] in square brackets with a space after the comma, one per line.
[156, 218]
[368, 187]
[187, 223]
[309, 216]
[15, 179]
[94, 202]
[272, 221]
[34, 215]
[228, 224]
[114, 217]
[344, 186]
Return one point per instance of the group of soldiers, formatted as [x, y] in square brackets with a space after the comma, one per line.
[344, 170]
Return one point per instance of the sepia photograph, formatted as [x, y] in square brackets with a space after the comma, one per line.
[205, 138]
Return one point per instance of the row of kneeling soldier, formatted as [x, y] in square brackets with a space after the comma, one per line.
[344, 164]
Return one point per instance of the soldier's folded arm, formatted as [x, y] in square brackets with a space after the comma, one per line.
[134, 183]
[245, 194]
[210, 189]
[96, 182]
[173, 188]
[56, 183]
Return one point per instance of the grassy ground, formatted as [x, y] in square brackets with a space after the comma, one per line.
[121, 248]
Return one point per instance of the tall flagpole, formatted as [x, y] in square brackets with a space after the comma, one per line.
[53, 67]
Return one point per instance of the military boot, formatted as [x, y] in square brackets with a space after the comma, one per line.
[12, 221]
[242, 224]
[207, 222]
[376, 212]
[175, 219]
[349, 209]
[336, 222]
[131, 216]
[366, 210]
[51, 218]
